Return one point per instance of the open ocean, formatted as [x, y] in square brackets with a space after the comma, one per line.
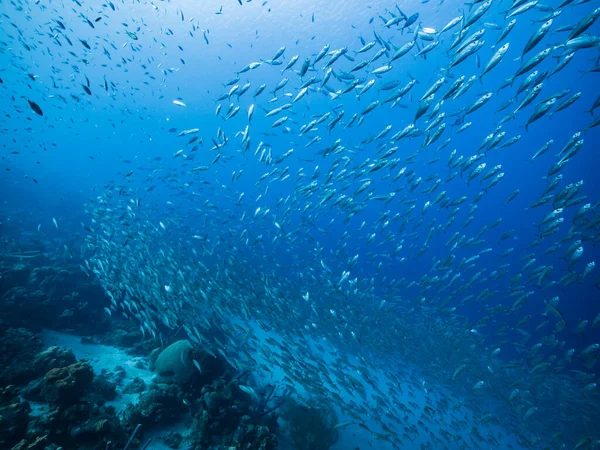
[299, 225]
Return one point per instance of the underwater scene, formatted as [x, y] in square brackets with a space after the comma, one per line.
[299, 225]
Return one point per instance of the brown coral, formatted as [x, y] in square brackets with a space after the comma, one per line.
[64, 386]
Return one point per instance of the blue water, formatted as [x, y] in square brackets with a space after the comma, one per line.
[86, 145]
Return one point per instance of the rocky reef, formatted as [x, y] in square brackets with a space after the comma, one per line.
[310, 427]
[53, 296]
[51, 400]
[226, 415]
[60, 408]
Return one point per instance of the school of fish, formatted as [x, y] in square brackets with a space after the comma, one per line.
[324, 230]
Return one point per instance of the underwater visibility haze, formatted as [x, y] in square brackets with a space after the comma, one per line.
[312, 225]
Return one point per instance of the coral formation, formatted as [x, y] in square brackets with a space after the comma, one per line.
[51, 400]
[310, 428]
[136, 386]
[64, 386]
[14, 416]
[51, 296]
[103, 389]
[68, 399]
[225, 414]
[161, 404]
[53, 358]
[18, 348]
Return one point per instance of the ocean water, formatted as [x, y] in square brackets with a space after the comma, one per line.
[318, 251]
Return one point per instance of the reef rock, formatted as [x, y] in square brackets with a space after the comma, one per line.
[173, 440]
[66, 385]
[18, 348]
[136, 386]
[51, 297]
[40, 443]
[53, 358]
[103, 389]
[96, 430]
[14, 417]
[160, 405]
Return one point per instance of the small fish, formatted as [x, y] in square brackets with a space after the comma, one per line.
[197, 364]
[35, 107]
[190, 131]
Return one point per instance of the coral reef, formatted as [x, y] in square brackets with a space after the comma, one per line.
[64, 386]
[310, 428]
[136, 386]
[51, 400]
[53, 358]
[161, 404]
[68, 410]
[40, 443]
[51, 296]
[124, 335]
[173, 440]
[103, 389]
[226, 414]
[18, 349]
[14, 417]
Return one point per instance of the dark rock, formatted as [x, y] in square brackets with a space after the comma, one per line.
[14, 417]
[310, 427]
[137, 386]
[160, 405]
[90, 340]
[66, 385]
[141, 365]
[53, 358]
[53, 297]
[39, 443]
[13, 277]
[18, 348]
[142, 348]
[255, 438]
[9, 395]
[34, 391]
[123, 337]
[117, 376]
[21, 307]
[96, 429]
[82, 426]
[43, 424]
[173, 440]
[65, 319]
[227, 415]
[103, 390]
